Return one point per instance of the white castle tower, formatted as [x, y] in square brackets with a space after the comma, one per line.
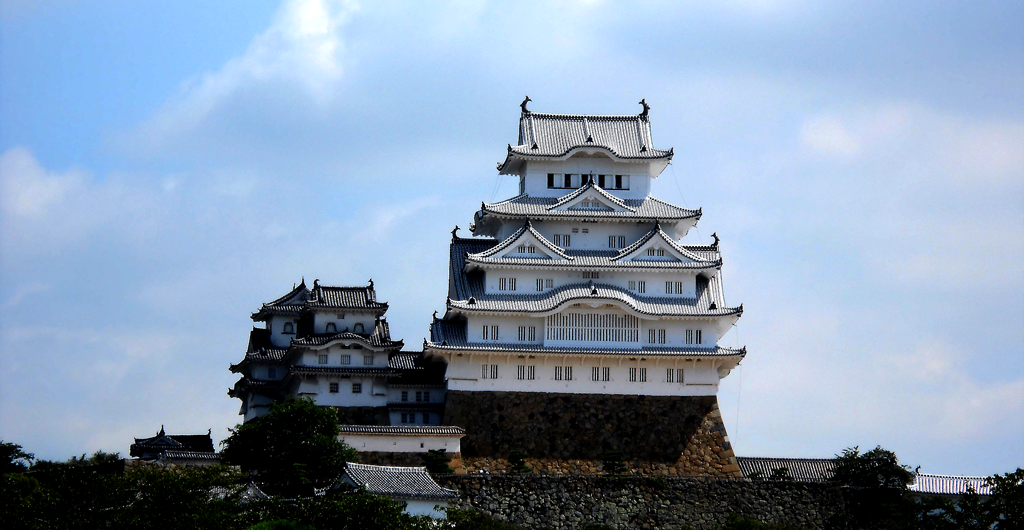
[577, 326]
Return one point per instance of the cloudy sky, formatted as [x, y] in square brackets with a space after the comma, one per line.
[165, 167]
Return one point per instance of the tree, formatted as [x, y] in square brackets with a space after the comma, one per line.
[291, 448]
[13, 459]
[517, 458]
[875, 490]
[436, 461]
[877, 468]
[1007, 503]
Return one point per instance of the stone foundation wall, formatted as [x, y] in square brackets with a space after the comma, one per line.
[363, 415]
[378, 458]
[626, 502]
[571, 433]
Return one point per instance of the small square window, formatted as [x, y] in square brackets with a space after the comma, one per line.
[321, 359]
[357, 388]
[334, 388]
[405, 395]
[368, 360]
[346, 359]
[272, 372]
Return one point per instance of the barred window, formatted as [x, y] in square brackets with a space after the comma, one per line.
[643, 375]
[357, 388]
[632, 285]
[527, 333]
[331, 328]
[526, 372]
[346, 359]
[668, 287]
[490, 332]
[697, 338]
[632, 375]
[426, 397]
[641, 286]
[606, 374]
[549, 283]
[591, 274]
[367, 360]
[595, 373]
[489, 371]
[563, 373]
[321, 359]
[670, 375]
[679, 287]
[334, 388]
[405, 395]
[689, 336]
[540, 284]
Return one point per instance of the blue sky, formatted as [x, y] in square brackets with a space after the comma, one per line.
[166, 167]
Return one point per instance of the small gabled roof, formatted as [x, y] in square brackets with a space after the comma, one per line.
[520, 234]
[380, 338]
[323, 297]
[656, 232]
[199, 443]
[553, 136]
[399, 482]
[591, 185]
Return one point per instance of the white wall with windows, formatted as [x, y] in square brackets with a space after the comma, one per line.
[524, 281]
[340, 322]
[335, 391]
[637, 184]
[584, 374]
[404, 443]
[338, 355]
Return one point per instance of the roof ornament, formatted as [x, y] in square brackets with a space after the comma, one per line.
[593, 288]
[435, 314]
[454, 230]
[472, 300]
[523, 105]
[713, 306]
[161, 433]
[715, 235]
[316, 283]
[647, 108]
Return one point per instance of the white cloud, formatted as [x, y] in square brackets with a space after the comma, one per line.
[29, 190]
[300, 56]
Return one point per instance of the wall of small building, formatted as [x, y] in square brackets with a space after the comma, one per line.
[373, 392]
[386, 443]
[343, 321]
[431, 508]
[357, 356]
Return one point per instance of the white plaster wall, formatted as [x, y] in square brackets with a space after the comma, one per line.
[508, 328]
[700, 377]
[536, 175]
[320, 320]
[334, 354]
[526, 280]
[434, 417]
[318, 387]
[436, 394]
[390, 443]
[276, 326]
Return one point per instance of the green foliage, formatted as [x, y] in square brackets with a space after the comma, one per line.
[96, 459]
[517, 458]
[291, 448]
[13, 459]
[436, 461]
[742, 523]
[613, 463]
[1008, 499]
[877, 468]
[473, 520]
[280, 524]
[780, 473]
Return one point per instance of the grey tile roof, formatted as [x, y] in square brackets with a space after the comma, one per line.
[404, 430]
[526, 229]
[189, 455]
[657, 232]
[341, 370]
[451, 335]
[800, 469]
[404, 361]
[325, 298]
[928, 483]
[380, 338]
[591, 184]
[527, 207]
[200, 443]
[556, 135]
[707, 303]
[400, 482]
[258, 386]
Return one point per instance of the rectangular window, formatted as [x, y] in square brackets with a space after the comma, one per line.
[679, 375]
[586, 230]
[357, 388]
[426, 418]
[557, 240]
[346, 359]
[567, 181]
[643, 375]
[595, 374]
[668, 287]
[679, 287]
[502, 284]
[405, 395]
[531, 333]
[632, 375]
[632, 285]
[426, 397]
[606, 374]
[650, 251]
[521, 372]
[367, 360]
[689, 336]
[591, 274]
[611, 242]
[661, 252]
[575, 230]
[494, 332]
[272, 372]
[531, 249]
[600, 180]
[489, 371]
[321, 359]
[584, 179]
[549, 283]
[670, 375]
[697, 338]
[661, 336]
[484, 334]
[521, 249]
[618, 182]
[334, 388]
[405, 417]
[522, 333]
[512, 284]
[540, 284]
[641, 286]
[563, 373]
[656, 336]
[551, 180]
[419, 397]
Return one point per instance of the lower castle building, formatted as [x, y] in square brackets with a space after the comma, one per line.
[578, 327]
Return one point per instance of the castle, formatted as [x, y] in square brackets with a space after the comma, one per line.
[577, 326]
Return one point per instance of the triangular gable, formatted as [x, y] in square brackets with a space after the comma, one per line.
[661, 246]
[519, 244]
[591, 196]
[297, 296]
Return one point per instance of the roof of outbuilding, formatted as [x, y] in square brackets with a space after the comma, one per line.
[557, 135]
[200, 443]
[931, 484]
[404, 430]
[647, 209]
[401, 482]
[801, 469]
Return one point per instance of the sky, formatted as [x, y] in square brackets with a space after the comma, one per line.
[166, 167]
